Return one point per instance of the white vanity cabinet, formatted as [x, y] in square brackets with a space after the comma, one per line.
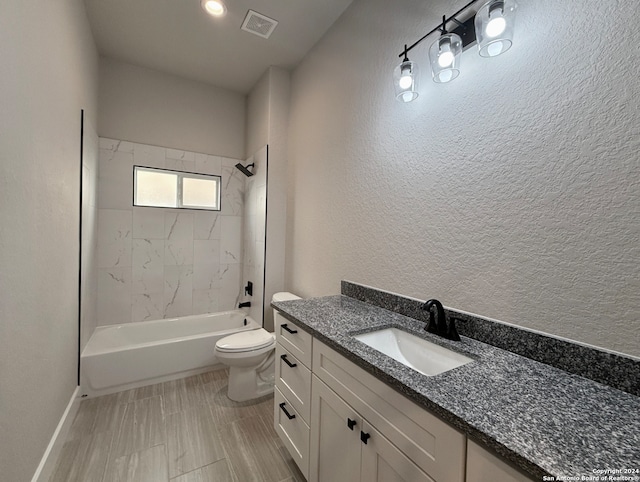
[342, 424]
[292, 408]
[393, 439]
[482, 466]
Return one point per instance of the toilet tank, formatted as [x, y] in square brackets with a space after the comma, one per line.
[284, 296]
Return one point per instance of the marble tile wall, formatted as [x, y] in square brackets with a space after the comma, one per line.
[158, 263]
[255, 214]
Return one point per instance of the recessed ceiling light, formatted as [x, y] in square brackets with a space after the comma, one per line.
[214, 8]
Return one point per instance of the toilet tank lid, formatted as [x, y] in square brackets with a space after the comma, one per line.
[284, 296]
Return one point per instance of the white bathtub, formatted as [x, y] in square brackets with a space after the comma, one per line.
[120, 357]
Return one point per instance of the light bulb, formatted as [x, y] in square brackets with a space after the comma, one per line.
[496, 26]
[214, 7]
[445, 59]
[405, 82]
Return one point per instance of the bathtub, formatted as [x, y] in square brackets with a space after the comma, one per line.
[121, 357]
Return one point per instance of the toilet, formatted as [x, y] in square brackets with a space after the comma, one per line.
[250, 357]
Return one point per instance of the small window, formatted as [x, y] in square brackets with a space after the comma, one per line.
[162, 188]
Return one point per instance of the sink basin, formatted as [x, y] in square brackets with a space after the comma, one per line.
[410, 350]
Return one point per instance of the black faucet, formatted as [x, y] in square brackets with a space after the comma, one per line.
[246, 304]
[438, 323]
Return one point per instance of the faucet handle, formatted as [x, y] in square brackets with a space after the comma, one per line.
[452, 333]
[432, 326]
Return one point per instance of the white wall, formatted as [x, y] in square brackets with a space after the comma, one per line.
[49, 65]
[512, 192]
[150, 107]
[267, 123]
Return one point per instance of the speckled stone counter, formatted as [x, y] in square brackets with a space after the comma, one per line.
[542, 419]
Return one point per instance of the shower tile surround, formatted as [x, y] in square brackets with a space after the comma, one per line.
[159, 263]
[544, 420]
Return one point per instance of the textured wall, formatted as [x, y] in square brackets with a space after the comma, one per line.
[49, 73]
[150, 107]
[512, 192]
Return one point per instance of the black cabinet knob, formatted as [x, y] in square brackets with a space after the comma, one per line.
[351, 423]
[364, 437]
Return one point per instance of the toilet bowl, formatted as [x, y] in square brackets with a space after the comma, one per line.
[250, 358]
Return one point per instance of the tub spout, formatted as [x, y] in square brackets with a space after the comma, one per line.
[246, 304]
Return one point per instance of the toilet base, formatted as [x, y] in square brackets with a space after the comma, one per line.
[245, 384]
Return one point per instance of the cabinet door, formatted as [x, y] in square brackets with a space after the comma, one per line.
[483, 466]
[383, 462]
[335, 441]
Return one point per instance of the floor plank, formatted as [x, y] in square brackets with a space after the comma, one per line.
[216, 472]
[149, 465]
[83, 459]
[183, 394]
[193, 440]
[142, 427]
[252, 453]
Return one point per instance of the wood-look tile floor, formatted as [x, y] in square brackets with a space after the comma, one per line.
[180, 431]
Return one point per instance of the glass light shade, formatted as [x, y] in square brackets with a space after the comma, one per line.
[494, 27]
[444, 55]
[405, 81]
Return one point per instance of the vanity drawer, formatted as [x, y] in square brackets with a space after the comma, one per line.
[297, 341]
[293, 431]
[294, 382]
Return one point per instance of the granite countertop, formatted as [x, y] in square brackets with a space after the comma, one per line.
[542, 419]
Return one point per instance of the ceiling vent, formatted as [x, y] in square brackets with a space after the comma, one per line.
[259, 24]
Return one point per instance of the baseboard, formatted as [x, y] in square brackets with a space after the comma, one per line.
[50, 457]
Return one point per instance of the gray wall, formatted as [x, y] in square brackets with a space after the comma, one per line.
[50, 71]
[511, 192]
[150, 107]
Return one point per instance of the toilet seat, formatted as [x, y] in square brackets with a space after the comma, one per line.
[246, 341]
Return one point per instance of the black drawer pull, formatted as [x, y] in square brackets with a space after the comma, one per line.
[289, 330]
[351, 423]
[364, 437]
[284, 359]
[289, 416]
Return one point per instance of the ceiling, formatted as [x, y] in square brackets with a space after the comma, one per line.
[177, 37]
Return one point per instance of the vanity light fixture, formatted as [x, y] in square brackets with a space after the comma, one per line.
[492, 29]
[405, 79]
[215, 8]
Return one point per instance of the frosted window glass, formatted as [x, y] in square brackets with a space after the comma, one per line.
[200, 192]
[158, 189]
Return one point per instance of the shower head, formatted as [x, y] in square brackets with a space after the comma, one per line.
[245, 170]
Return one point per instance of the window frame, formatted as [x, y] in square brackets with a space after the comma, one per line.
[181, 175]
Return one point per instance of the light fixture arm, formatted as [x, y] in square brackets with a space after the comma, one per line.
[441, 27]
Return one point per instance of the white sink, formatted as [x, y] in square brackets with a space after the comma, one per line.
[421, 355]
